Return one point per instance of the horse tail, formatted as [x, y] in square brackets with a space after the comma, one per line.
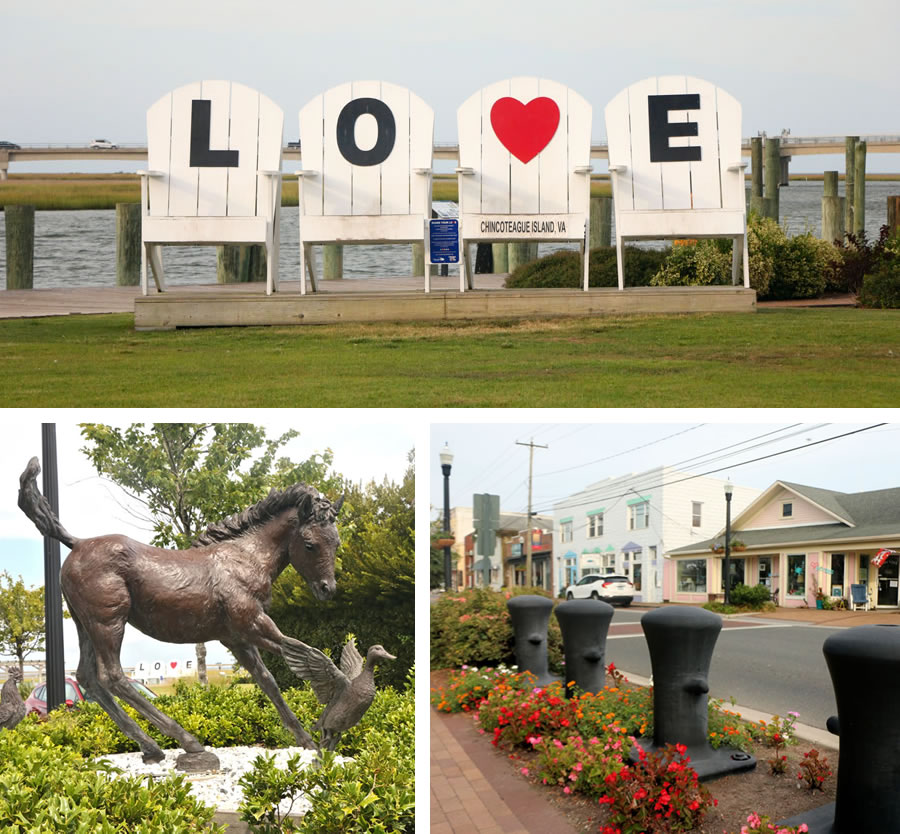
[38, 508]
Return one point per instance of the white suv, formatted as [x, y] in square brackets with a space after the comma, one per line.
[103, 144]
[609, 588]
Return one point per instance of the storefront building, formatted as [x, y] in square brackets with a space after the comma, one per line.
[802, 543]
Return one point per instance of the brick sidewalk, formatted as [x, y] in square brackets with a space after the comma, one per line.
[473, 789]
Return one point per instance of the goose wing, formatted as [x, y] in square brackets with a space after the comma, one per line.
[351, 659]
[312, 665]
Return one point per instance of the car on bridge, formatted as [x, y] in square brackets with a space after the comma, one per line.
[611, 588]
[103, 145]
[9, 146]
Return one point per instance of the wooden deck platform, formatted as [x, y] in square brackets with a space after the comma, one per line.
[366, 300]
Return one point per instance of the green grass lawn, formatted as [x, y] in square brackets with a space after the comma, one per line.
[785, 357]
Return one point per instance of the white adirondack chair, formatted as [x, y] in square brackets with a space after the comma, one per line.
[692, 198]
[524, 166]
[366, 148]
[214, 159]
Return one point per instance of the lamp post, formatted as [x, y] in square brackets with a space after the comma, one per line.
[446, 461]
[726, 565]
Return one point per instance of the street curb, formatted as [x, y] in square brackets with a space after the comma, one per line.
[819, 737]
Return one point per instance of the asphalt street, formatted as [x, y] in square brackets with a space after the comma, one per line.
[772, 667]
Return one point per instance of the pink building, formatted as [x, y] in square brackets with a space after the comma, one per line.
[797, 541]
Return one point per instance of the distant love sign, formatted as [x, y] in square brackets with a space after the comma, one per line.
[525, 129]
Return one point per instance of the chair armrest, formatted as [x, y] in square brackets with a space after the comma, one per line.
[740, 166]
[421, 170]
[269, 173]
[582, 169]
[618, 169]
[466, 172]
[307, 173]
[151, 173]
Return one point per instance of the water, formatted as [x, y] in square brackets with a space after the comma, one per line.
[78, 248]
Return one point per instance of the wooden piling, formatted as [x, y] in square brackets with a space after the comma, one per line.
[773, 176]
[19, 247]
[756, 176]
[832, 209]
[418, 260]
[238, 263]
[333, 260]
[601, 221]
[859, 190]
[849, 179]
[893, 214]
[128, 244]
[501, 257]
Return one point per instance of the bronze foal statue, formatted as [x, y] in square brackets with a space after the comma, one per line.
[218, 589]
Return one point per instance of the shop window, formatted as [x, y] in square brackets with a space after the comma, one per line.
[864, 568]
[639, 516]
[696, 508]
[787, 510]
[691, 576]
[565, 531]
[595, 525]
[796, 565]
[765, 571]
[836, 580]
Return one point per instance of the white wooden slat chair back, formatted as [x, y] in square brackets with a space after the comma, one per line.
[524, 153]
[675, 165]
[214, 157]
[366, 148]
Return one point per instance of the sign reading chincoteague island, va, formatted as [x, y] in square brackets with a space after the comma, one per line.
[530, 226]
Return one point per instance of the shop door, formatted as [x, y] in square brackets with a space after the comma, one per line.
[888, 575]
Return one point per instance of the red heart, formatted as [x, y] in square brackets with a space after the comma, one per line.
[525, 129]
[173, 663]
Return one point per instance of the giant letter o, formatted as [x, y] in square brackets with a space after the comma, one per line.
[346, 126]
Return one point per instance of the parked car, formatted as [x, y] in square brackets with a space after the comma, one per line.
[611, 588]
[36, 702]
[103, 144]
[9, 146]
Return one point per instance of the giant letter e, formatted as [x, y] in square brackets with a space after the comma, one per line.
[661, 129]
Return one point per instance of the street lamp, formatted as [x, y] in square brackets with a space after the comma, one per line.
[446, 461]
[727, 563]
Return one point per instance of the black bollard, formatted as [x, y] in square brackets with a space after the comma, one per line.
[584, 624]
[530, 616]
[681, 643]
[864, 663]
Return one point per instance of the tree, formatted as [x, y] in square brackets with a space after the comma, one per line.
[21, 619]
[375, 575]
[436, 555]
[189, 475]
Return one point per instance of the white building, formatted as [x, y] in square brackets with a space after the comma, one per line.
[624, 525]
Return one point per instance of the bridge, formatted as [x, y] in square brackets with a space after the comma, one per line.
[790, 146]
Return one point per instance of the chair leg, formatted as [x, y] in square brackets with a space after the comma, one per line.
[311, 266]
[735, 261]
[620, 260]
[154, 253]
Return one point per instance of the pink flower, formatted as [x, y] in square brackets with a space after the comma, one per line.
[524, 771]
[567, 789]
[578, 766]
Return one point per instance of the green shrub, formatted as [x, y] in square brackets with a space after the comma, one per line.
[563, 269]
[47, 788]
[881, 288]
[749, 596]
[704, 263]
[858, 256]
[473, 628]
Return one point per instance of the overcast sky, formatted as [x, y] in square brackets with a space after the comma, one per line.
[488, 459]
[367, 446]
[77, 71]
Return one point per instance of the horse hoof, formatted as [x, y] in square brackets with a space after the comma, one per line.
[197, 762]
[152, 757]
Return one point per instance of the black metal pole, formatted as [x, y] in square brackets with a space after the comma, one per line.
[727, 564]
[53, 620]
[448, 580]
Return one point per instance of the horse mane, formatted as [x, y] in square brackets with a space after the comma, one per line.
[318, 509]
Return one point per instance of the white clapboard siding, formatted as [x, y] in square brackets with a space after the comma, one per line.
[341, 202]
[697, 198]
[493, 182]
[182, 204]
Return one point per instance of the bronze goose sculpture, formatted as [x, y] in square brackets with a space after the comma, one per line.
[12, 707]
[347, 692]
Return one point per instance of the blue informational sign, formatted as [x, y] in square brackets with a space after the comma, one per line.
[444, 235]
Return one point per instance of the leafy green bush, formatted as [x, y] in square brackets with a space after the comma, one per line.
[749, 596]
[858, 257]
[563, 269]
[473, 628]
[704, 263]
[881, 288]
[47, 788]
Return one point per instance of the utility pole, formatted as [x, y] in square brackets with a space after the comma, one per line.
[529, 579]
